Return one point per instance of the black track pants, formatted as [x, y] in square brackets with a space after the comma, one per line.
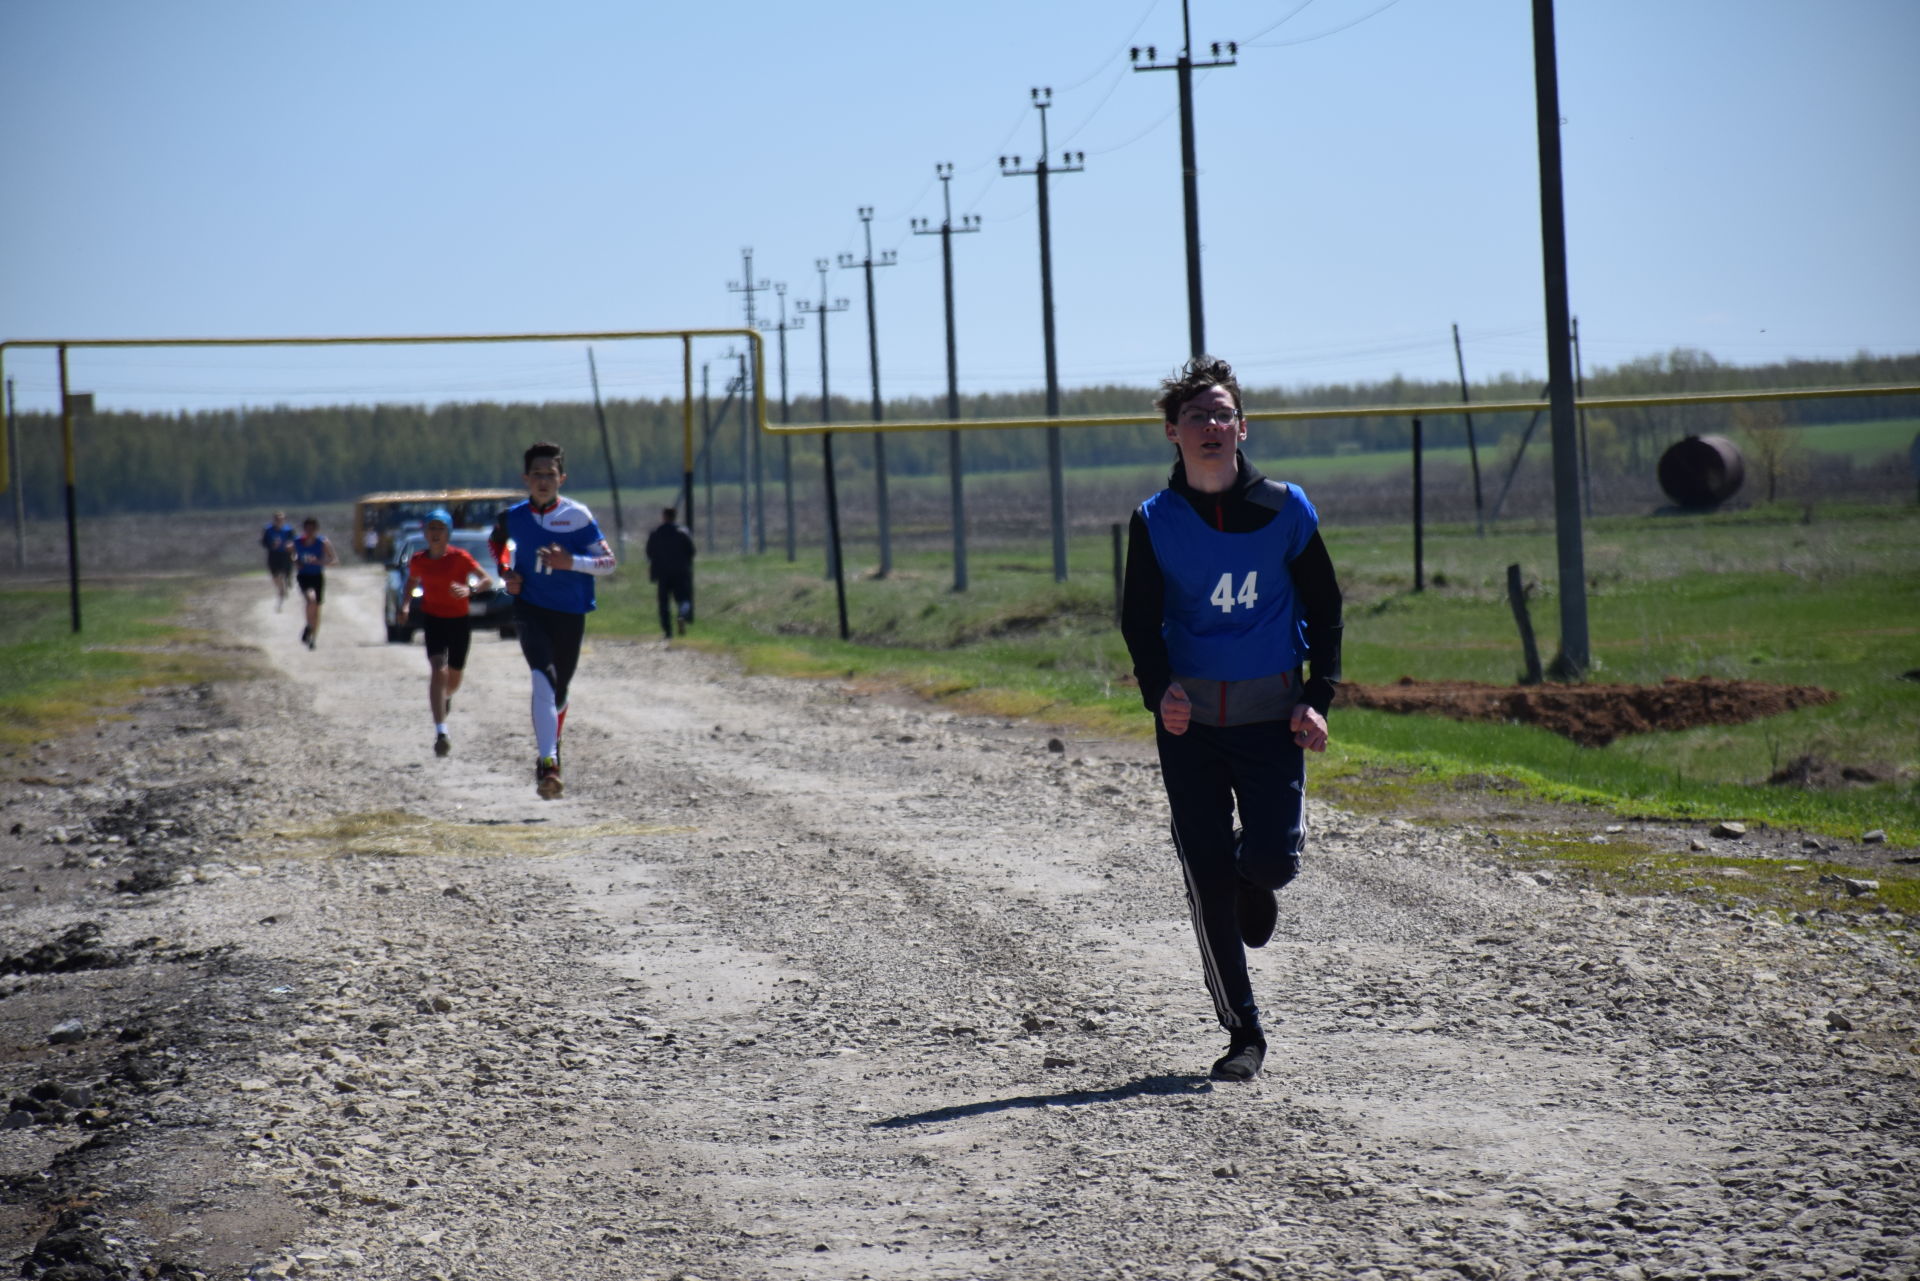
[1207, 770]
[671, 586]
[550, 640]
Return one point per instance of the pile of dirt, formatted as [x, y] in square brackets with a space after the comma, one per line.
[1592, 715]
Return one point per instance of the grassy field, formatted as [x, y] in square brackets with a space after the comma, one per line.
[1775, 593]
[1865, 442]
[1756, 595]
[52, 682]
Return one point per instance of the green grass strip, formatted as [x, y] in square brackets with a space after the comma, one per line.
[1758, 595]
[53, 682]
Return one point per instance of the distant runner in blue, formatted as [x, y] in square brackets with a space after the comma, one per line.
[1229, 592]
[557, 552]
[312, 553]
[278, 538]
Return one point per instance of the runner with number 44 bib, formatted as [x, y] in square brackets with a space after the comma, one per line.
[1229, 592]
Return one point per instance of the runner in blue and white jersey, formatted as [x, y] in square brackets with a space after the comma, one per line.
[1229, 591]
[558, 551]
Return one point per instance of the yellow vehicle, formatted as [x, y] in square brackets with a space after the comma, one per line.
[380, 518]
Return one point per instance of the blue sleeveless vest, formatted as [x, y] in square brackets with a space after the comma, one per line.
[1230, 611]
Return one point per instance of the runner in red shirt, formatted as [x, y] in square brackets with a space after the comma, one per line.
[439, 578]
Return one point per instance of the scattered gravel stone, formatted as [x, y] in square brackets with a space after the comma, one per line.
[893, 1000]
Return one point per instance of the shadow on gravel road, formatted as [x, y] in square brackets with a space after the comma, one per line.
[1186, 1083]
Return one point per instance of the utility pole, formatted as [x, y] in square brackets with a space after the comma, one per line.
[606, 450]
[946, 231]
[1580, 393]
[71, 405]
[1575, 655]
[867, 264]
[1183, 68]
[1070, 162]
[739, 383]
[706, 443]
[1473, 451]
[786, 413]
[835, 570]
[749, 287]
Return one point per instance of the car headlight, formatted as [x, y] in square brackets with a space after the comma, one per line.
[418, 591]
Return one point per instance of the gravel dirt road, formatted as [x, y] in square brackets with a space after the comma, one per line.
[805, 981]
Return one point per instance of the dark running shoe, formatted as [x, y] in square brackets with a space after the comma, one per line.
[1258, 909]
[441, 745]
[546, 778]
[1255, 907]
[1242, 1060]
[306, 634]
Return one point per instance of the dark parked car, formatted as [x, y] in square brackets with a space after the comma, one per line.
[489, 606]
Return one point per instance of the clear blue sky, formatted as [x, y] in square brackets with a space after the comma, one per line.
[1742, 176]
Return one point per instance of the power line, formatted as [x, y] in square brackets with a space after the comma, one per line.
[748, 287]
[1070, 162]
[1002, 145]
[1291, 14]
[1118, 76]
[1183, 68]
[1152, 128]
[887, 258]
[946, 231]
[1124, 42]
[1334, 31]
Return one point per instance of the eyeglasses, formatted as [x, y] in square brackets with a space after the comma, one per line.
[1209, 417]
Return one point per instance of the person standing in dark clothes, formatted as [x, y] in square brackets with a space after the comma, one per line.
[670, 553]
[1230, 596]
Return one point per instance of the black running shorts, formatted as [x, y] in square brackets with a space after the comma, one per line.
[315, 583]
[448, 636]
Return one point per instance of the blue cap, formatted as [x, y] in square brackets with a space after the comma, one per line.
[440, 514]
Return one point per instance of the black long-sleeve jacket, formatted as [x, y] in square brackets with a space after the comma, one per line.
[670, 550]
[1143, 599]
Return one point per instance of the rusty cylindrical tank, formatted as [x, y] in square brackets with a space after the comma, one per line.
[1702, 471]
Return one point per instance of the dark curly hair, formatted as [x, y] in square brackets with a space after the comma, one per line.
[1195, 377]
[544, 449]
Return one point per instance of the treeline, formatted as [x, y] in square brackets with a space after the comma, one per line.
[284, 456]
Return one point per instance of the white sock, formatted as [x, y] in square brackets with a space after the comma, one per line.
[439, 727]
